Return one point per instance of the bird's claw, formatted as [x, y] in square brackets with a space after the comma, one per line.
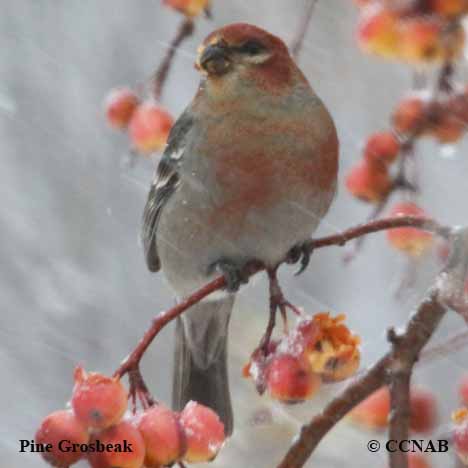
[232, 272]
[299, 253]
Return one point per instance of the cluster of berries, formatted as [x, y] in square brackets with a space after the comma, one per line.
[318, 349]
[444, 119]
[374, 412]
[416, 32]
[416, 115]
[189, 8]
[97, 429]
[147, 123]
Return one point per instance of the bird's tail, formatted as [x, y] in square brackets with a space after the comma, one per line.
[200, 362]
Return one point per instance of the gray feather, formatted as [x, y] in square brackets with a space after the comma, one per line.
[165, 183]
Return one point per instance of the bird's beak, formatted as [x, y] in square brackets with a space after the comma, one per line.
[214, 59]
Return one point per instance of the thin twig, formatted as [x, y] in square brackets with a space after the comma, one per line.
[184, 31]
[399, 375]
[406, 349]
[133, 360]
[405, 181]
[298, 41]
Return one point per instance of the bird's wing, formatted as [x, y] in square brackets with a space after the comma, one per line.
[165, 183]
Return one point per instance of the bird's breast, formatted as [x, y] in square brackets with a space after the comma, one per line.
[258, 163]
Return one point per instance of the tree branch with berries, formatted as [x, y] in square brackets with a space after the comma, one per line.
[320, 349]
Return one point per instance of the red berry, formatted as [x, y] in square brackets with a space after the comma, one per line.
[289, 379]
[368, 183]
[119, 106]
[410, 240]
[409, 115]
[204, 432]
[119, 440]
[463, 390]
[374, 411]
[163, 435]
[416, 460]
[61, 426]
[423, 410]
[150, 127]
[382, 148]
[448, 128]
[98, 401]
[460, 434]
[188, 7]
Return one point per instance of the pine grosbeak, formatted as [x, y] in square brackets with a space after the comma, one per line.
[249, 171]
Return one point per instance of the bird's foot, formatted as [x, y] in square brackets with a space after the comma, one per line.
[299, 253]
[233, 273]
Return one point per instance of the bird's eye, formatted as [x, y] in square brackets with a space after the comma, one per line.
[252, 48]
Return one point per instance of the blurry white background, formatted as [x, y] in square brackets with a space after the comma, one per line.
[73, 282]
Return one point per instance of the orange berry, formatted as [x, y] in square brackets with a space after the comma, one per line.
[98, 401]
[188, 7]
[335, 354]
[341, 366]
[204, 432]
[410, 240]
[421, 39]
[163, 436]
[409, 115]
[150, 127]
[368, 183]
[460, 434]
[374, 411]
[425, 40]
[378, 32]
[119, 106]
[424, 413]
[449, 8]
[289, 379]
[382, 148]
[57, 427]
[416, 460]
[124, 444]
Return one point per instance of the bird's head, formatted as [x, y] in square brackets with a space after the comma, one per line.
[246, 53]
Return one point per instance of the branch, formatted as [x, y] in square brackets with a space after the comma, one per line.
[185, 30]
[298, 41]
[133, 360]
[417, 334]
[400, 377]
[400, 360]
[380, 225]
[407, 181]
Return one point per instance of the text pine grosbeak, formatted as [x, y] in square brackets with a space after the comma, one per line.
[249, 171]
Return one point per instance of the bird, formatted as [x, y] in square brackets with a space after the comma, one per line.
[248, 172]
